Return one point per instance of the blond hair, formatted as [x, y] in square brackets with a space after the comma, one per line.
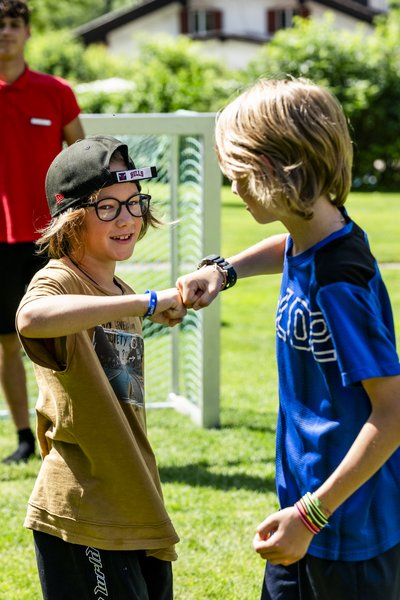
[289, 141]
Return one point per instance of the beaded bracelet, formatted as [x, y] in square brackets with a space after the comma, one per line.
[151, 307]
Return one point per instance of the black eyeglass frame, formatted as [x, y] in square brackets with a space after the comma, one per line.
[143, 204]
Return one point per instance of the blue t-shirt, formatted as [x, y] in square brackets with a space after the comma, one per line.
[335, 328]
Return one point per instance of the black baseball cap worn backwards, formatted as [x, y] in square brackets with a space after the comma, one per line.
[84, 168]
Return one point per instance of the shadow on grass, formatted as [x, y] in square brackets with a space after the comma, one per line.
[250, 420]
[199, 474]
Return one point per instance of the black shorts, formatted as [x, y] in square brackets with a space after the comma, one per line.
[18, 264]
[314, 578]
[73, 572]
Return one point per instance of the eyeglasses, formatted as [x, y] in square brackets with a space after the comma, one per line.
[108, 209]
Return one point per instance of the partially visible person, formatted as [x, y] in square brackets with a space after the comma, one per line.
[286, 147]
[96, 511]
[38, 113]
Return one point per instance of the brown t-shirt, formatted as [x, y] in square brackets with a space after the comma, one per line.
[98, 484]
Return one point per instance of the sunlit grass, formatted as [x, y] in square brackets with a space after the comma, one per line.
[218, 484]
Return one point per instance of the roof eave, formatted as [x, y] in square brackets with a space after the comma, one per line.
[97, 30]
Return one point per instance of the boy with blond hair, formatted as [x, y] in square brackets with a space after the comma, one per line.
[285, 145]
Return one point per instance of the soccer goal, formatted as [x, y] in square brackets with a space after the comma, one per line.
[182, 363]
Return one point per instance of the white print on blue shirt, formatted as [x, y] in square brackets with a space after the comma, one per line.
[303, 328]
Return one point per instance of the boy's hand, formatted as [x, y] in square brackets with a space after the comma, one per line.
[201, 287]
[170, 308]
[282, 538]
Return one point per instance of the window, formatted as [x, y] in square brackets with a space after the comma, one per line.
[201, 21]
[281, 18]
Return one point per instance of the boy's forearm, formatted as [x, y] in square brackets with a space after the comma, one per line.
[263, 258]
[376, 442]
[56, 316]
[201, 287]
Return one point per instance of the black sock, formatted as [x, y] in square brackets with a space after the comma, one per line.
[26, 447]
[26, 435]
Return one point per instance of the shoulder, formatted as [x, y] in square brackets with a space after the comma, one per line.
[346, 259]
[57, 278]
[46, 80]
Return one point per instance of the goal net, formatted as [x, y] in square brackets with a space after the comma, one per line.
[181, 363]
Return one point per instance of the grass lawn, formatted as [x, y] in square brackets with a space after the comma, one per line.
[218, 484]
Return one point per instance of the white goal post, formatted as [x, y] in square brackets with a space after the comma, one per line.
[182, 363]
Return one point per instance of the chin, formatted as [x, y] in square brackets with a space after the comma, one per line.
[261, 219]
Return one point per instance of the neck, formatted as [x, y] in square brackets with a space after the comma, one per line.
[326, 220]
[11, 70]
[101, 275]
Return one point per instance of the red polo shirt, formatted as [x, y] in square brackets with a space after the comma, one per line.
[33, 111]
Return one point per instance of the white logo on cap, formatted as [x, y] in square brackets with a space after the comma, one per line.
[134, 174]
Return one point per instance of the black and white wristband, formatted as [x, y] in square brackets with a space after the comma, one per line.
[152, 305]
[222, 265]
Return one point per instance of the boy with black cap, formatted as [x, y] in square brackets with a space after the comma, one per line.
[96, 510]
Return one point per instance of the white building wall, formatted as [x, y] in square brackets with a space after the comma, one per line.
[166, 21]
[236, 20]
[247, 18]
[233, 53]
[379, 4]
[341, 21]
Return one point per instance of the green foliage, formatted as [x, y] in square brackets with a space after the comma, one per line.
[58, 53]
[177, 76]
[49, 15]
[173, 76]
[361, 70]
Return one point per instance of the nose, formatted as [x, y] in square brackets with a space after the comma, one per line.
[6, 27]
[126, 217]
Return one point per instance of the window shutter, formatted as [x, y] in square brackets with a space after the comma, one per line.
[184, 20]
[271, 21]
[303, 12]
[218, 20]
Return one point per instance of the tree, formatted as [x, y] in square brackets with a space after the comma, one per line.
[58, 53]
[179, 77]
[361, 70]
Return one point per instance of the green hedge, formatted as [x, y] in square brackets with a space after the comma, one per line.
[170, 74]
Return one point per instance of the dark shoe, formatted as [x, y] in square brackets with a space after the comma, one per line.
[25, 450]
[21, 454]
